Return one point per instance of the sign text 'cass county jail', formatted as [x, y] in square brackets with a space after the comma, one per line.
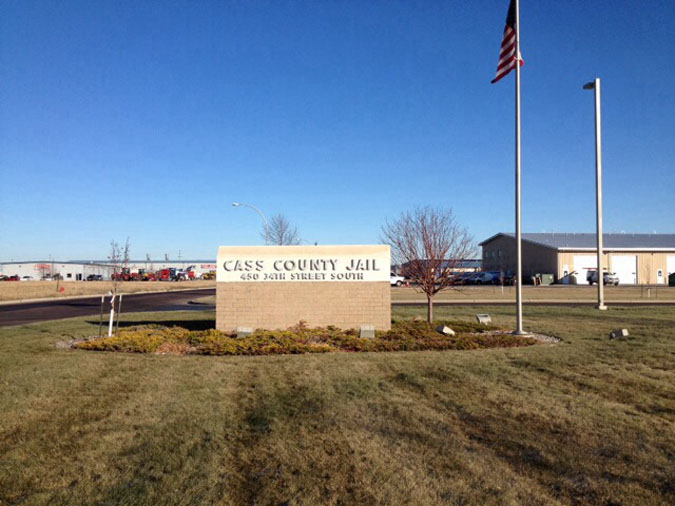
[303, 263]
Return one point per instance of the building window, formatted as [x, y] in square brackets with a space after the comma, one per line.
[500, 252]
[69, 275]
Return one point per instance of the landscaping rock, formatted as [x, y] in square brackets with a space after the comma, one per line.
[484, 319]
[244, 331]
[618, 334]
[445, 330]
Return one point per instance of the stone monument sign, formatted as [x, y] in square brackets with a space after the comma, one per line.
[275, 287]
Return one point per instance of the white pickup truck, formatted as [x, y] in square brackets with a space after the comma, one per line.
[396, 280]
[608, 278]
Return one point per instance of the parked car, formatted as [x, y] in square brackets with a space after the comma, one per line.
[27, 278]
[471, 278]
[608, 278]
[95, 277]
[395, 279]
[487, 278]
[462, 278]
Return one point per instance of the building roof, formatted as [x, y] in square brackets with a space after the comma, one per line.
[107, 262]
[578, 241]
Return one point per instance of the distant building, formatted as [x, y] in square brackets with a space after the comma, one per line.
[635, 258]
[78, 270]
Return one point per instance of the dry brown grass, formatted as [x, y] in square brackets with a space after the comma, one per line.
[586, 421]
[22, 290]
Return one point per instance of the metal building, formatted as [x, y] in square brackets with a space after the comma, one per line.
[78, 270]
[635, 258]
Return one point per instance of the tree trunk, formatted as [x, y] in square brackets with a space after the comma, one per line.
[430, 309]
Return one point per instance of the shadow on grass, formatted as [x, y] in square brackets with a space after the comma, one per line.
[186, 324]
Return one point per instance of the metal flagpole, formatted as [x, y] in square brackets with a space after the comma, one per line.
[519, 268]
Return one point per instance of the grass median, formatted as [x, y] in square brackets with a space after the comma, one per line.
[585, 421]
[553, 293]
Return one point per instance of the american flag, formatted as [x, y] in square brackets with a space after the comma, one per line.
[507, 55]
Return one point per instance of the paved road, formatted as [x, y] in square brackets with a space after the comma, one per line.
[31, 312]
[19, 314]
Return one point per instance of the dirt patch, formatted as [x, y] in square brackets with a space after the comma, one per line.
[539, 337]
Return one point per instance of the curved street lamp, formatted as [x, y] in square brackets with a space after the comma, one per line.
[267, 227]
[595, 85]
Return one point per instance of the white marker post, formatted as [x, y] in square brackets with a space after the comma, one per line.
[112, 314]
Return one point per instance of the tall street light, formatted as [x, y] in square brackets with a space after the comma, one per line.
[267, 227]
[595, 85]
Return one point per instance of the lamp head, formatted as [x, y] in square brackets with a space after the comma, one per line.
[589, 86]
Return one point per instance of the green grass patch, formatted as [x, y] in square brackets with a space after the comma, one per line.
[404, 336]
[587, 421]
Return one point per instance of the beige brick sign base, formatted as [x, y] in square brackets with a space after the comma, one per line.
[344, 286]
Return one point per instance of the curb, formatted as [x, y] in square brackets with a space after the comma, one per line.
[91, 296]
[543, 302]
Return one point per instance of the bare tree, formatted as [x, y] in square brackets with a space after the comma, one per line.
[44, 270]
[281, 232]
[119, 262]
[431, 244]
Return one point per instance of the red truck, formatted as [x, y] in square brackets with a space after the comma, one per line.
[166, 274]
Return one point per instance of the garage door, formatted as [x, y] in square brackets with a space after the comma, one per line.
[625, 267]
[671, 264]
[582, 264]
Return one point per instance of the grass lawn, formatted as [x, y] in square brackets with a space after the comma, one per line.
[586, 421]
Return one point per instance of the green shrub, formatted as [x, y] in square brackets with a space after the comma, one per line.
[404, 336]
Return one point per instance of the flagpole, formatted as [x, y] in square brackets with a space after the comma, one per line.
[519, 268]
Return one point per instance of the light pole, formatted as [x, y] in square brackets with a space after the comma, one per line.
[595, 85]
[267, 226]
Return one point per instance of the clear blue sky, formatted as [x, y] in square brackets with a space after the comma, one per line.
[147, 119]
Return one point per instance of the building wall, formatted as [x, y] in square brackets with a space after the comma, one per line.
[648, 263]
[567, 258]
[69, 271]
[266, 305]
[500, 255]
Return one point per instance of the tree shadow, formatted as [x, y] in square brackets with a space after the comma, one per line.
[205, 324]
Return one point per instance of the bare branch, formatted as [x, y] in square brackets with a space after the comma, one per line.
[119, 261]
[431, 245]
[281, 232]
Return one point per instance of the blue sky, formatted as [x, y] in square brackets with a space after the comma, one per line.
[147, 119]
